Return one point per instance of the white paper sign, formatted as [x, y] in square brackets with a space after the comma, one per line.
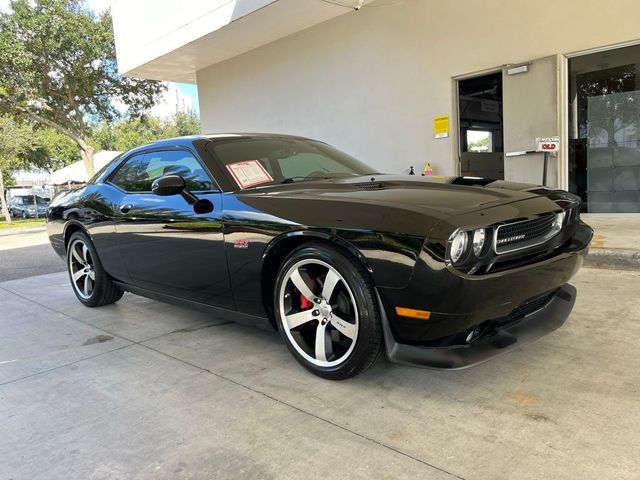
[249, 173]
[548, 144]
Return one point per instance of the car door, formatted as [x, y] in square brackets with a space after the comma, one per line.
[15, 209]
[20, 206]
[167, 246]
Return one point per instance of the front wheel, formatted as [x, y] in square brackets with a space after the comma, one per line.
[327, 313]
[90, 282]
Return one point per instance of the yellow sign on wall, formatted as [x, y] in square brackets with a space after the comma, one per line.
[441, 126]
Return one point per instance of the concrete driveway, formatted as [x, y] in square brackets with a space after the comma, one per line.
[142, 389]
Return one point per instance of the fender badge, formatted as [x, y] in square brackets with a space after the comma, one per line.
[243, 243]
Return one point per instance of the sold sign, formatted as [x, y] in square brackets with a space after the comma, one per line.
[548, 144]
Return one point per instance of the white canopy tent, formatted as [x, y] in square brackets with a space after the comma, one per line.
[76, 173]
[27, 178]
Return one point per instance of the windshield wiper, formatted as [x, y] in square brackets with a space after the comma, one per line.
[291, 179]
[302, 179]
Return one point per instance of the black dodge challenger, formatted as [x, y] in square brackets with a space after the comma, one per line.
[345, 262]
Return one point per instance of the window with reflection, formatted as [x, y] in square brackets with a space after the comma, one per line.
[138, 173]
[604, 130]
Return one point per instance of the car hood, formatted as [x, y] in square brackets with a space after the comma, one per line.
[439, 196]
[386, 202]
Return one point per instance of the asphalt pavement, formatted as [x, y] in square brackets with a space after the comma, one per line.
[27, 253]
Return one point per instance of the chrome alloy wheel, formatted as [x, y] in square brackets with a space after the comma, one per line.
[318, 312]
[83, 277]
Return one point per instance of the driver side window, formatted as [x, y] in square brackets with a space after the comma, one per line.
[138, 172]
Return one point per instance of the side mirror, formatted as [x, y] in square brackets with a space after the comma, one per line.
[168, 185]
[175, 185]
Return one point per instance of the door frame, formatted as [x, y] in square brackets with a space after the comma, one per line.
[563, 97]
[455, 108]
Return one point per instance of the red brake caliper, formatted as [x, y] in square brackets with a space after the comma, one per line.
[305, 303]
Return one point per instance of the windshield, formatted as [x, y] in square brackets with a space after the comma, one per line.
[267, 161]
[29, 201]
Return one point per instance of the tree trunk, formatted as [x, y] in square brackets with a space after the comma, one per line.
[86, 151]
[5, 210]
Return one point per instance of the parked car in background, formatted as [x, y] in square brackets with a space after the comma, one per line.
[25, 206]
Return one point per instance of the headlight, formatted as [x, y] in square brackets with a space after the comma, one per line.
[558, 222]
[478, 241]
[458, 245]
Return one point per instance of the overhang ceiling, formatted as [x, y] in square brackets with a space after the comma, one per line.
[175, 57]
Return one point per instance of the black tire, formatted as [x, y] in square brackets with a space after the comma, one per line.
[24, 214]
[355, 283]
[103, 291]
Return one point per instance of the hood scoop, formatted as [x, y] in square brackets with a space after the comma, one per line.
[369, 185]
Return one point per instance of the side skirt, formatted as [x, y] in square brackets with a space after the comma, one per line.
[221, 313]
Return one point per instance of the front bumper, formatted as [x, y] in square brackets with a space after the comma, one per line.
[495, 312]
[460, 303]
[515, 333]
[41, 214]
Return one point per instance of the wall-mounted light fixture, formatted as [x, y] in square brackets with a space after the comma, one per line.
[514, 70]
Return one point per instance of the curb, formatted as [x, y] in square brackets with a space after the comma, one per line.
[616, 258]
[20, 230]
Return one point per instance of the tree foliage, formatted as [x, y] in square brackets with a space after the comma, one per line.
[15, 142]
[24, 145]
[137, 131]
[480, 145]
[185, 123]
[51, 150]
[58, 68]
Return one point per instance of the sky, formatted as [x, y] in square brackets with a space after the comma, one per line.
[187, 93]
[177, 97]
[191, 91]
[183, 94]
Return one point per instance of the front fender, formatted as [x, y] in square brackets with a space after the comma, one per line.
[390, 258]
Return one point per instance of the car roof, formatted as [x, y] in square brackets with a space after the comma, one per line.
[188, 140]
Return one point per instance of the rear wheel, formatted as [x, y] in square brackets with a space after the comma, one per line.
[90, 282]
[327, 313]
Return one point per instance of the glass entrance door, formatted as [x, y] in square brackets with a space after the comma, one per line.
[604, 130]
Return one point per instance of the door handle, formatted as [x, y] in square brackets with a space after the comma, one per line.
[125, 208]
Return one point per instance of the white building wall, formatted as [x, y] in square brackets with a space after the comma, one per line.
[370, 82]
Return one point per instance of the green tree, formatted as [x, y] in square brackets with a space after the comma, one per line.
[133, 132]
[481, 145]
[16, 140]
[58, 68]
[186, 123]
[51, 150]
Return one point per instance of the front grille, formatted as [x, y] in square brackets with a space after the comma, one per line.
[523, 234]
